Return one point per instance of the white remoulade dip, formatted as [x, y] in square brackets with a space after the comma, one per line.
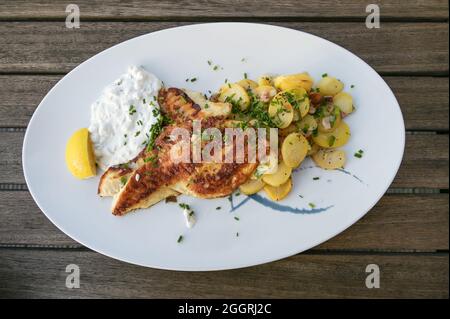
[122, 117]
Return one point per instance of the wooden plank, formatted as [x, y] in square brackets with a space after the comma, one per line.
[41, 274]
[20, 94]
[408, 222]
[425, 163]
[172, 9]
[51, 47]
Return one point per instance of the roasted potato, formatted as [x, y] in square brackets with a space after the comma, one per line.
[294, 149]
[279, 177]
[265, 80]
[278, 192]
[247, 84]
[294, 81]
[281, 111]
[337, 138]
[234, 94]
[329, 120]
[329, 158]
[265, 92]
[308, 124]
[344, 101]
[330, 86]
[300, 100]
[252, 186]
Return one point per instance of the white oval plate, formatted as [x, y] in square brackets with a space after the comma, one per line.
[149, 237]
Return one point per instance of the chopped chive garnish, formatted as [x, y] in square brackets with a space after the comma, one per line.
[316, 178]
[312, 205]
[352, 86]
[245, 76]
[193, 79]
[180, 239]
[236, 218]
[324, 75]
[331, 140]
[237, 234]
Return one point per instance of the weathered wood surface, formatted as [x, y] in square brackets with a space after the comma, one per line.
[20, 95]
[41, 273]
[407, 235]
[399, 222]
[425, 163]
[185, 9]
[51, 47]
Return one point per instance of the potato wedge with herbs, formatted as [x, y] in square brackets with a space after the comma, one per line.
[294, 149]
[337, 138]
[247, 84]
[235, 94]
[281, 111]
[308, 124]
[279, 177]
[344, 101]
[265, 92]
[330, 86]
[277, 193]
[252, 186]
[329, 158]
[294, 81]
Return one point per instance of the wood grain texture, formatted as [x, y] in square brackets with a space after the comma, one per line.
[398, 222]
[50, 47]
[425, 163]
[170, 9]
[20, 95]
[41, 273]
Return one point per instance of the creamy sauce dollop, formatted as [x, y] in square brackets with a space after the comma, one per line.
[121, 118]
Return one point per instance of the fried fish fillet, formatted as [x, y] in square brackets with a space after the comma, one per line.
[179, 106]
[158, 178]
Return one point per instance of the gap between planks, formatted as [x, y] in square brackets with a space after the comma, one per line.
[312, 251]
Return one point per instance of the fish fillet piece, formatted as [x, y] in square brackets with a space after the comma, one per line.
[203, 180]
[178, 105]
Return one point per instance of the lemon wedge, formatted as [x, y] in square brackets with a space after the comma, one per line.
[80, 157]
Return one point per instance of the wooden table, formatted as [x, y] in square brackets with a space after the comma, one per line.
[406, 234]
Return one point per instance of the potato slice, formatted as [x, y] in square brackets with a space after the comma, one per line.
[252, 186]
[294, 149]
[329, 158]
[300, 100]
[329, 85]
[247, 84]
[314, 148]
[279, 192]
[281, 111]
[344, 101]
[279, 177]
[307, 124]
[337, 138]
[235, 94]
[294, 81]
[265, 80]
[330, 120]
[265, 92]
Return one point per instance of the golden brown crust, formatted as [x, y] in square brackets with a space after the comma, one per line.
[156, 176]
